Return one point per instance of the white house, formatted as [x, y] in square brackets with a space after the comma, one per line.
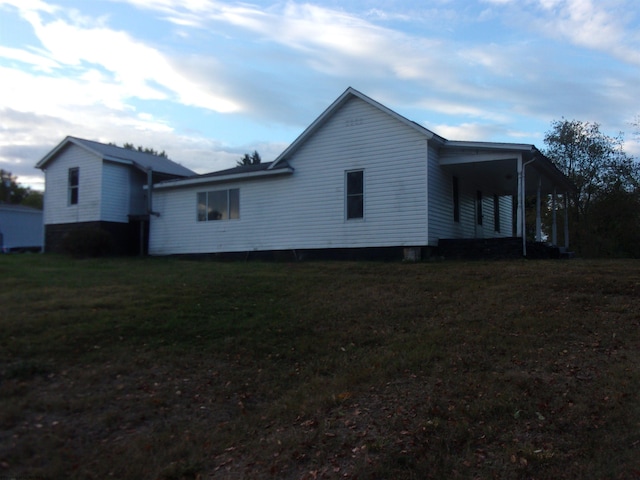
[90, 184]
[20, 228]
[360, 176]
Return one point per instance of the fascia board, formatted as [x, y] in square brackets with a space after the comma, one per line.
[205, 180]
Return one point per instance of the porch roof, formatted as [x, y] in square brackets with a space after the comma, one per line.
[494, 166]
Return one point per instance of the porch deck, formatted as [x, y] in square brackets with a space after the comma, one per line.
[494, 249]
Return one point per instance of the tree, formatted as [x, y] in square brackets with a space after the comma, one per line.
[139, 148]
[607, 184]
[13, 193]
[253, 159]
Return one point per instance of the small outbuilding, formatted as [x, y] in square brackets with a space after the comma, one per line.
[21, 228]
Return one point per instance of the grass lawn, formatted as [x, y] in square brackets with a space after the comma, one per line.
[172, 369]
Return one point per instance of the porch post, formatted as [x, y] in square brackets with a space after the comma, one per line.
[538, 211]
[566, 220]
[554, 226]
[519, 197]
[522, 232]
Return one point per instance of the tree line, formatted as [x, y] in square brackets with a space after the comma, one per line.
[11, 192]
[604, 209]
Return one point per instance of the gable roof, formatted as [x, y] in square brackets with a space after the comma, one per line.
[348, 94]
[140, 160]
[529, 152]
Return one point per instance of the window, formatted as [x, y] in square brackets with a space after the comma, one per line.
[355, 194]
[219, 205]
[456, 200]
[496, 213]
[479, 215]
[74, 179]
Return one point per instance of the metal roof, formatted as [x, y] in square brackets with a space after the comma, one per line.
[141, 160]
[242, 172]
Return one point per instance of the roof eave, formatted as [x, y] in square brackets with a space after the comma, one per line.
[207, 180]
[523, 147]
[53, 153]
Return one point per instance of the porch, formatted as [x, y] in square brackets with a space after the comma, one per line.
[517, 171]
[497, 249]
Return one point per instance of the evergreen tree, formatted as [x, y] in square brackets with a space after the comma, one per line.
[249, 159]
[139, 148]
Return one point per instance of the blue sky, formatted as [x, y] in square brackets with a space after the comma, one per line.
[209, 80]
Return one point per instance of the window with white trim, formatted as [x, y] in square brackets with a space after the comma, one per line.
[73, 186]
[219, 205]
[456, 200]
[354, 194]
[479, 215]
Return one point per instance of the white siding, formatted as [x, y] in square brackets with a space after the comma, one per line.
[506, 217]
[137, 182]
[56, 204]
[20, 227]
[441, 223]
[307, 209]
[116, 192]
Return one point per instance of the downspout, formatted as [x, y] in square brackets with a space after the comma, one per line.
[149, 209]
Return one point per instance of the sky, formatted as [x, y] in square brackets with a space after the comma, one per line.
[207, 81]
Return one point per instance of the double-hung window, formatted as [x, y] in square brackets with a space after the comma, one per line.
[456, 200]
[219, 205]
[479, 215]
[355, 194]
[73, 185]
[496, 213]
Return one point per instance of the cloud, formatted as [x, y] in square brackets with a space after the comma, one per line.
[280, 64]
[469, 131]
[605, 26]
[132, 69]
[36, 59]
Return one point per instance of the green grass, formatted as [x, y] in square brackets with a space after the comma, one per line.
[171, 369]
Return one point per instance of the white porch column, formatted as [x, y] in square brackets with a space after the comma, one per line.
[554, 226]
[519, 199]
[522, 221]
[538, 211]
[566, 220]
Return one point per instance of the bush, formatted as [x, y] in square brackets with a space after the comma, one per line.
[88, 242]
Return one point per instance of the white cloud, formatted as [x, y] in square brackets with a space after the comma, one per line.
[281, 62]
[39, 60]
[134, 67]
[605, 25]
[467, 131]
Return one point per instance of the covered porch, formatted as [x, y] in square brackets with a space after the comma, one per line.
[518, 172]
